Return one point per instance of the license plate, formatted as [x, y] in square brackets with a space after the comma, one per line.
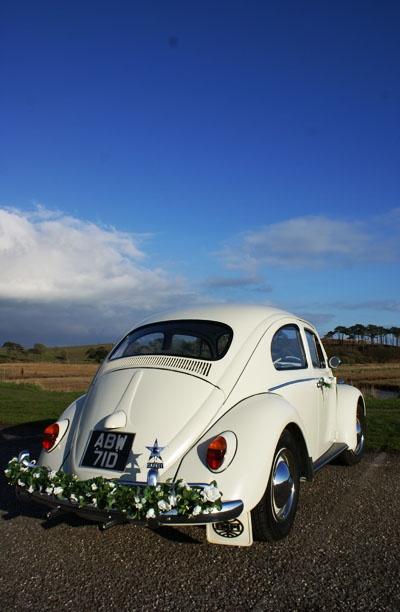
[108, 450]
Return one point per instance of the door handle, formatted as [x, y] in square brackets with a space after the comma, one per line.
[324, 381]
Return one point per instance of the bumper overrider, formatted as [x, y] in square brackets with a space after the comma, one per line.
[227, 510]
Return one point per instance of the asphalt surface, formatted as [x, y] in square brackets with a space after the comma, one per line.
[343, 553]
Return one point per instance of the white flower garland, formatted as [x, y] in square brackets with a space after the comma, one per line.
[138, 503]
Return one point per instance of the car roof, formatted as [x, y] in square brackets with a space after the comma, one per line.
[238, 316]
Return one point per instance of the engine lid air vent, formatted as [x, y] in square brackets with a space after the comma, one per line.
[195, 366]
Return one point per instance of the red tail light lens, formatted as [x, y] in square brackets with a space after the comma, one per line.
[50, 436]
[216, 453]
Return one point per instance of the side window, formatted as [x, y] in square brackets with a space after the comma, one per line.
[287, 349]
[317, 356]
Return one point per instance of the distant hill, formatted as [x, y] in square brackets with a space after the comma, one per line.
[361, 352]
[89, 353]
[349, 352]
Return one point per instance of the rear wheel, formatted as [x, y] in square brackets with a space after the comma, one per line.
[351, 457]
[273, 516]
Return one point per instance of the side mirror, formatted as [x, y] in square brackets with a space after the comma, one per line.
[334, 362]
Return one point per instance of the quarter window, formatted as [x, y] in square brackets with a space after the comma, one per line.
[317, 356]
[287, 349]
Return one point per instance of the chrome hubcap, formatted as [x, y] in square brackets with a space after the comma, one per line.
[359, 432]
[283, 487]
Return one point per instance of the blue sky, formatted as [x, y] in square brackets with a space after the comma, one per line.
[168, 152]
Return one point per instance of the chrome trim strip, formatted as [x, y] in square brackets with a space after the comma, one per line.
[292, 382]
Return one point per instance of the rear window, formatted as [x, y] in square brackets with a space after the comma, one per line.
[195, 339]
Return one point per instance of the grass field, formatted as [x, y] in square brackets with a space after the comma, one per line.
[369, 375]
[77, 376]
[22, 403]
[50, 376]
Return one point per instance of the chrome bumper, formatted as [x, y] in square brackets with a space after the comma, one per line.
[229, 509]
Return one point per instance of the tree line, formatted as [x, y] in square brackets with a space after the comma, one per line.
[373, 334]
[97, 353]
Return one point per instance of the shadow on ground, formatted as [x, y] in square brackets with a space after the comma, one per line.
[27, 436]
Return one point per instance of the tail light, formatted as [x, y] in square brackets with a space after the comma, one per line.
[50, 436]
[216, 453]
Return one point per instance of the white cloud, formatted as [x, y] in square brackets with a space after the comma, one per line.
[314, 242]
[72, 276]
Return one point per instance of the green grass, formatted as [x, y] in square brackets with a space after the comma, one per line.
[383, 422]
[27, 403]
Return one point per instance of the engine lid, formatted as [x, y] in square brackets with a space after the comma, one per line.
[173, 408]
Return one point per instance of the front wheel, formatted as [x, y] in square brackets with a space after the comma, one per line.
[273, 516]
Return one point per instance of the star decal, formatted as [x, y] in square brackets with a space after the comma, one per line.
[155, 450]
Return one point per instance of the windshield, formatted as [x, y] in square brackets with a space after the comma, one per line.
[195, 339]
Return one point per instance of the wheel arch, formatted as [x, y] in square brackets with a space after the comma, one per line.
[348, 398]
[306, 470]
[258, 423]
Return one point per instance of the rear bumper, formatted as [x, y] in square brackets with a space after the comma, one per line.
[59, 505]
[229, 510]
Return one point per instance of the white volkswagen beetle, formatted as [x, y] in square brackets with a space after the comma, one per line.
[241, 397]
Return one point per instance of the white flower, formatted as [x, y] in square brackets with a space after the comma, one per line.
[163, 505]
[138, 505]
[196, 510]
[21, 484]
[49, 490]
[150, 513]
[172, 500]
[94, 487]
[143, 500]
[73, 497]
[58, 490]
[158, 488]
[52, 474]
[7, 472]
[36, 475]
[112, 485]
[211, 493]
[13, 460]
[95, 503]
[31, 489]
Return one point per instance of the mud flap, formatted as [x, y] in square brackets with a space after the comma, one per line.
[237, 532]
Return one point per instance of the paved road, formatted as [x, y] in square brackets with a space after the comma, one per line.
[344, 553]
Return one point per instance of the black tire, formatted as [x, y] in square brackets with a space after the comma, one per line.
[351, 457]
[273, 517]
